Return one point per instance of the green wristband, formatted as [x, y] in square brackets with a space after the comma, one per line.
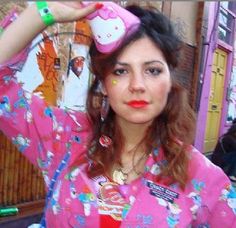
[45, 13]
[1, 31]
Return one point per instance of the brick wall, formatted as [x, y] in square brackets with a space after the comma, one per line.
[185, 69]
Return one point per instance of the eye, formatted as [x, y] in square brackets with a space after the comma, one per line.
[155, 71]
[120, 71]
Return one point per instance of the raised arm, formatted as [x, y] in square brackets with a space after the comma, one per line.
[29, 24]
[26, 119]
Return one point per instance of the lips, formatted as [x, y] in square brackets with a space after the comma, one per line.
[138, 103]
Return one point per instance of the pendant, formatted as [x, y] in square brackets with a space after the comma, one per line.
[105, 141]
[119, 177]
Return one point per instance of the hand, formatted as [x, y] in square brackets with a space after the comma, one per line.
[71, 11]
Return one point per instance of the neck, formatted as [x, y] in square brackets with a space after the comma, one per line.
[133, 135]
[134, 155]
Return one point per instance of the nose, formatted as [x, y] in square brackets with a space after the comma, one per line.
[137, 83]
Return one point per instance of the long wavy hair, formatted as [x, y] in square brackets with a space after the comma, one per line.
[173, 129]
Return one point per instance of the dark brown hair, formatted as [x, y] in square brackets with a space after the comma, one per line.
[173, 129]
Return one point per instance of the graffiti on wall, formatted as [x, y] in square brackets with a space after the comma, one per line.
[57, 68]
[231, 96]
[48, 63]
[180, 27]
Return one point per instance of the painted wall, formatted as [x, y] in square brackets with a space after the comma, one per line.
[184, 14]
[229, 96]
[231, 90]
[57, 67]
[210, 45]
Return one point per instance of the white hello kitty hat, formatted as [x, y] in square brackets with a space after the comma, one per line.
[110, 25]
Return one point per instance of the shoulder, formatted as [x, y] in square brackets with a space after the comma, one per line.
[210, 190]
[201, 167]
[77, 120]
[210, 183]
[205, 178]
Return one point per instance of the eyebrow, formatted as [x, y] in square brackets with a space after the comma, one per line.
[145, 63]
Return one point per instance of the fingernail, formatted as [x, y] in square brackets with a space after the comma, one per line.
[98, 5]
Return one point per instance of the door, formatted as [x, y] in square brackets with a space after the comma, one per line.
[215, 99]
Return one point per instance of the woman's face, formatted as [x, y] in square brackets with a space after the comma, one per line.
[139, 84]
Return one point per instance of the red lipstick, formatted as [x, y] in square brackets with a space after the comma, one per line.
[137, 103]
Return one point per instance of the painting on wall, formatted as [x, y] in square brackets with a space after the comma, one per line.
[57, 67]
[231, 97]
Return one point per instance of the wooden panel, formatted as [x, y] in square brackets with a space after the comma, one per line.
[20, 181]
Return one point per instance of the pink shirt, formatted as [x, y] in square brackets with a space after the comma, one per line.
[47, 135]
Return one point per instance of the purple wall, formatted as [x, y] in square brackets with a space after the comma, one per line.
[209, 50]
[213, 43]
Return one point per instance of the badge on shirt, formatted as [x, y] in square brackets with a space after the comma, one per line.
[162, 192]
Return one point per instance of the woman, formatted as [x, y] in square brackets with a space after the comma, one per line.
[128, 162]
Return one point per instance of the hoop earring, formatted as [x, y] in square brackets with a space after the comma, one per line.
[98, 88]
[104, 108]
[104, 140]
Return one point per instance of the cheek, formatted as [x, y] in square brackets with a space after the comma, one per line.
[115, 92]
[111, 86]
[167, 88]
[163, 88]
[111, 83]
[114, 82]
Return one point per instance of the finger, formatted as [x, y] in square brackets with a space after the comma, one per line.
[85, 10]
[76, 5]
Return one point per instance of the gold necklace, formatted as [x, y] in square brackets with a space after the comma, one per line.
[120, 177]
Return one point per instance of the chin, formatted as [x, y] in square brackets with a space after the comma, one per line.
[139, 120]
[136, 118]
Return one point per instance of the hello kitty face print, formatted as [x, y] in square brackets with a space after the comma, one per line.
[110, 25]
[114, 27]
